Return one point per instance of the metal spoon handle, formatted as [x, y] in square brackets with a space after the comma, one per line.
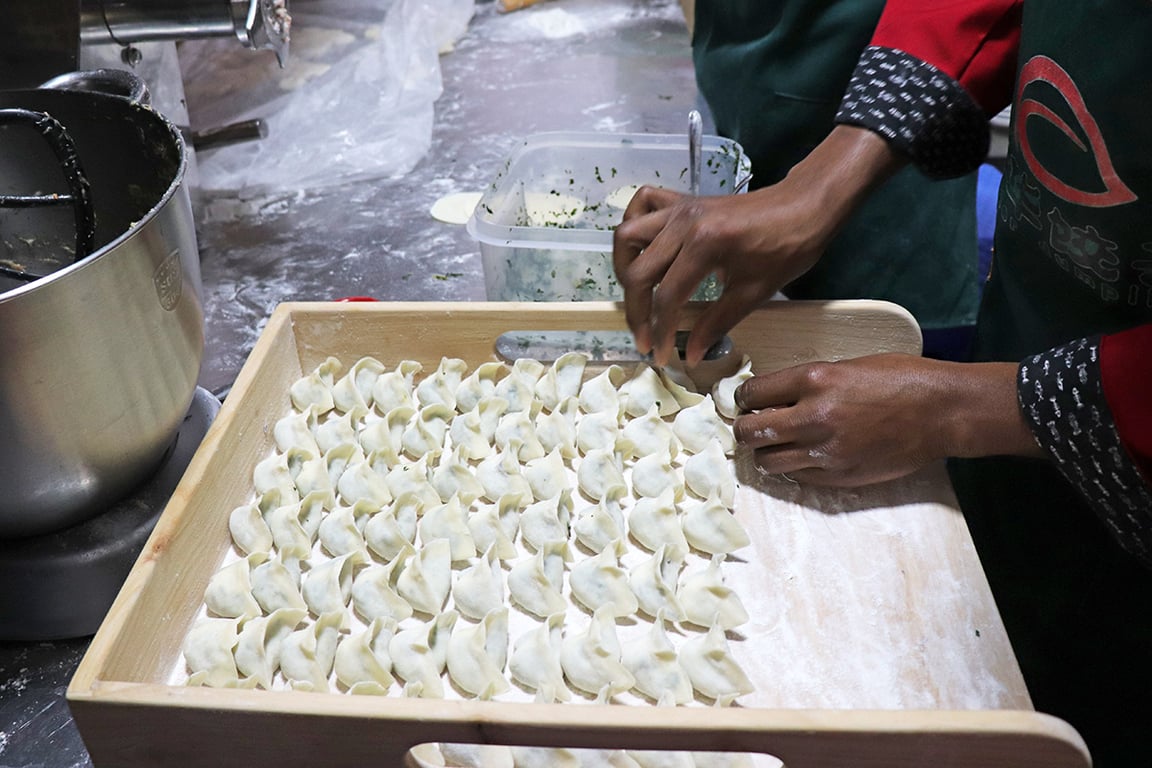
[695, 136]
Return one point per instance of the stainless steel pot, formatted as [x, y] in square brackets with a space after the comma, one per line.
[98, 359]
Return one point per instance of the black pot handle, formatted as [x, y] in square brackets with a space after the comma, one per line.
[110, 82]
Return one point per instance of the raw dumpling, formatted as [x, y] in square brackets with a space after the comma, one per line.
[384, 437]
[684, 391]
[420, 653]
[599, 582]
[413, 478]
[393, 528]
[656, 521]
[477, 654]
[697, 426]
[535, 583]
[710, 527]
[653, 475]
[353, 391]
[517, 427]
[535, 661]
[599, 394]
[547, 476]
[259, 642]
[479, 589]
[644, 390]
[340, 531]
[425, 434]
[208, 652]
[306, 655]
[546, 520]
[272, 474]
[426, 578]
[724, 391]
[707, 600]
[652, 661]
[597, 431]
[448, 522]
[315, 389]
[480, 384]
[517, 389]
[249, 531]
[500, 474]
[600, 525]
[653, 582]
[328, 586]
[276, 586]
[453, 477]
[374, 594]
[599, 472]
[649, 434]
[495, 525]
[591, 659]
[440, 387]
[229, 591]
[556, 429]
[714, 673]
[467, 434]
[296, 431]
[362, 664]
[562, 379]
[336, 430]
[709, 471]
[362, 483]
[393, 389]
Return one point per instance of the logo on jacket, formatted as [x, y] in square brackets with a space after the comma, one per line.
[1045, 70]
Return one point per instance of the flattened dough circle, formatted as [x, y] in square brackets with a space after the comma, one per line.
[455, 208]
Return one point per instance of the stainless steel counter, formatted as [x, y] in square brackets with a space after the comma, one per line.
[613, 65]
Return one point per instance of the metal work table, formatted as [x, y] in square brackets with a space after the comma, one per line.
[615, 65]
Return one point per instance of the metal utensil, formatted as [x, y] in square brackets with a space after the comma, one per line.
[695, 136]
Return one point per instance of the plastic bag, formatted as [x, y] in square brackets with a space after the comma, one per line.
[354, 102]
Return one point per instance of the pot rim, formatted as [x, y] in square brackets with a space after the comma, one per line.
[177, 180]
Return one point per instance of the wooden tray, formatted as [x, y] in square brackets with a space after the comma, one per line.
[880, 643]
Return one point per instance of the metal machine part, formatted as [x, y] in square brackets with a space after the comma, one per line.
[258, 24]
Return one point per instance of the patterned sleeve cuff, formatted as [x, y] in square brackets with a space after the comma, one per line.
[920, 110]
[1062, 400]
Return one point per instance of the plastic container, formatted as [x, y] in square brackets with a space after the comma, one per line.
[545, 224]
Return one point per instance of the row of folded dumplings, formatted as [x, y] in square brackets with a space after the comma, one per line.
[365, 516]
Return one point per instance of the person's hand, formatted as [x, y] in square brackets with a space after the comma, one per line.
[876, 418]
[756, 243]
[668, 243]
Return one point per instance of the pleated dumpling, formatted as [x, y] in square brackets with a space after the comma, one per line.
[710, 472]
[518, 428]
[535, 660]
[653, 661]
[495, 526]
[556, 429]
[296, 431]
[306, 655]
[477, 654]
[654, 474]
[426, 578]
[711, 527]
[653, 581]
[597, 431]
[562, 379]
[276, 585]
[448, 522]
[646, 389]
[341, 531]
[518, 389]
[656, 521]
[272, 474]
[469, 441]
[599, 581]
[601, 393]
[384, 437]
[337, 430]
[440, 387]
[374, 592]
[707, 600]
[599, 472]
[710, 666]
[698, 425]
[353, 391]
[208, 652]
[546, 520]
[258, 644]
[328, 586]
[547, 476]
[724, 391]
[362, 664]
[249, 531]
[419, 654]
[535, 583]
[591, 658]
[393, 528]
[649, 434]
[479, 589]
[479, 384]
[602, 524]
[359, 482]
[315, 389]
[393, 389]
[425, 434]
[229, 591]
[500, 474]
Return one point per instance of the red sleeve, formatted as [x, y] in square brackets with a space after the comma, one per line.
[1126, 375]
[973, 41]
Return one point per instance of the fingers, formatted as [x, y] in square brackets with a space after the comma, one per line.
[638, 266]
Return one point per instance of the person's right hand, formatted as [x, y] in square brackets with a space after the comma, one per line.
[668, 243]
[754, 243]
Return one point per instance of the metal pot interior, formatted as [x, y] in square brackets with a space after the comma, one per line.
[131, 156]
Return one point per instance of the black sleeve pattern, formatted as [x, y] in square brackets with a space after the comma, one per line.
[923, 112]
[1062, 399]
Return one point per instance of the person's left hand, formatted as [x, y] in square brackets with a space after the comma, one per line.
[880, 417]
